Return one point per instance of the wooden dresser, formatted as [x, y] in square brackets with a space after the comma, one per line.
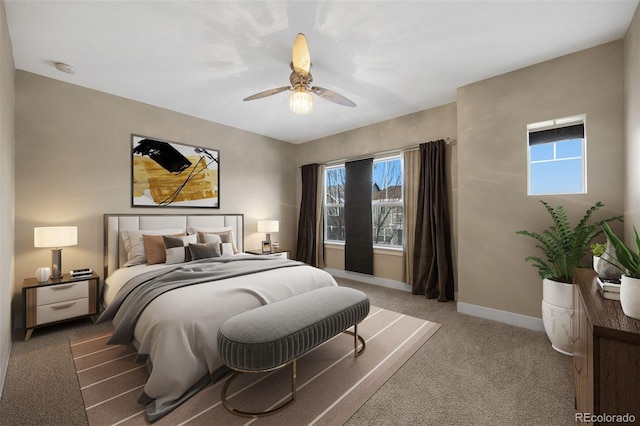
[606, 355]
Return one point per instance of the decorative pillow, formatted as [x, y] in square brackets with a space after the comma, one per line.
[225, 237]
[177, 249]
[203, 251]
[211, 238]
[134, 243]
[154, 247]
[227, 249]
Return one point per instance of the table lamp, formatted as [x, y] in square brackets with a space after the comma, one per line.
[55, 237]
[268, 226]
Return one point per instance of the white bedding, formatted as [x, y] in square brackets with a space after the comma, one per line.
[115, 281]
[178, 330]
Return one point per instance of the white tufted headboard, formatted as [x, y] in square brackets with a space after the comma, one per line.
[114, 253]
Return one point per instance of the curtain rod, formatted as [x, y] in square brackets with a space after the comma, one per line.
[448, 141]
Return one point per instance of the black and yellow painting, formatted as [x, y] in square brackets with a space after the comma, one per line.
[170, 174]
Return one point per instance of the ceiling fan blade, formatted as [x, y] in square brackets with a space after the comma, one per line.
[332, 96]
[300, 56]
[267, 93]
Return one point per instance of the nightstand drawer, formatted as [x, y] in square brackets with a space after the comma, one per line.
[61, 311]
[61, 292]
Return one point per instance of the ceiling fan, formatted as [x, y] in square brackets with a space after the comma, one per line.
[300, 100]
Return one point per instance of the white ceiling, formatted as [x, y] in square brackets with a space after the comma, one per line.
[391, 58]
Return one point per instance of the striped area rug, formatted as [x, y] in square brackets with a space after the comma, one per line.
[332, 384]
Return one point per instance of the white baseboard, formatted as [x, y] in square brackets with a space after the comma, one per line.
[369, 279]
[506, 317]
[532, 323]
[4, 365]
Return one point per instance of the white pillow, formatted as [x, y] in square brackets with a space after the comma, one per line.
[211, 238]
[134, 243]
[178, 254]
[227, 249]
[196, 229]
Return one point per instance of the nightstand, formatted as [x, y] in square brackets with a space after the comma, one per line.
[285, 254]
[58, 300]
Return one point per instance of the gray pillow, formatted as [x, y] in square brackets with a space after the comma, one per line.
[203, 251]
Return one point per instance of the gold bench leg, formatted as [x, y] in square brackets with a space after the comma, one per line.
[356, 337]
[274, 410]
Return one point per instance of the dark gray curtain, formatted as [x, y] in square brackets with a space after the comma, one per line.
[306, 244]
[358, 245]
[433, 266]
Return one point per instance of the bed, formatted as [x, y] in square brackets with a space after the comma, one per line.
[180, 306]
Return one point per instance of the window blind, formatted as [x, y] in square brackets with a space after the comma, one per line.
[358, 248]
[575, 131]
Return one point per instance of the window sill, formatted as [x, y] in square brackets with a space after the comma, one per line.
[389, 251]
[334, 245]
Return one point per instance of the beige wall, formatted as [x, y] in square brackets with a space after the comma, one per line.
[395, 134]
[7, 182]
[492, 163]
[632, 134]
[74, 156]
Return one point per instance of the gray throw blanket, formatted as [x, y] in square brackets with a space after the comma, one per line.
[139, 291]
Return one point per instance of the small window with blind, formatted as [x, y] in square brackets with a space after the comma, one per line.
[557, 156]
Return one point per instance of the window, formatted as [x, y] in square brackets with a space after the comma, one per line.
[386, 203]
[556, 156]
[334, 204]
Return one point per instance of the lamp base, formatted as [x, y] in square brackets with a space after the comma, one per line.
[56, 263]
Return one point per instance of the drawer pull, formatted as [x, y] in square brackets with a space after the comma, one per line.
[62, 287]
[65, 306]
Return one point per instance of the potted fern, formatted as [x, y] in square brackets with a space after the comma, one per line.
[563, 248]
[629, 261]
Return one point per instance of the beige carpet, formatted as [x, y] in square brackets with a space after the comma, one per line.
[332, 384]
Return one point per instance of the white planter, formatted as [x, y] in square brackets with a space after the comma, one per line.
[595, 262]
[557, 311]
[43, 274]
[630, 296]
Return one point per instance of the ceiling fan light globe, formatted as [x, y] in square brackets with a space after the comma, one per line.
[301, 102]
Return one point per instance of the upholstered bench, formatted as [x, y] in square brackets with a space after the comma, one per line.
[275, 335]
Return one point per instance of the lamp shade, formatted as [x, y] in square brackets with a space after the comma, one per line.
[301, 102]
[55, 236]
[268, 226]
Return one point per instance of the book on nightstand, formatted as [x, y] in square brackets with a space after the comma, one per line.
[78, 273]
[609, 289]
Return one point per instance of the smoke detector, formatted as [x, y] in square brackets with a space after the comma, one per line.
[66, 68]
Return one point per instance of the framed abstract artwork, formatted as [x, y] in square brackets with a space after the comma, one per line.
[170, 174]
